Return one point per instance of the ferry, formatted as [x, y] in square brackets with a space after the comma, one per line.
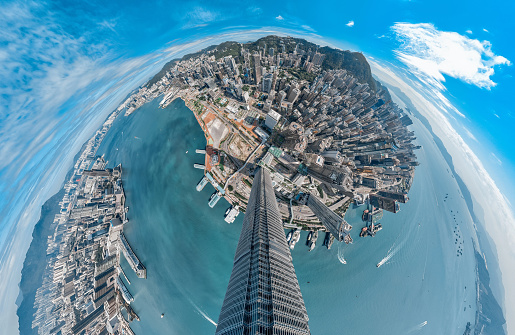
[231, 213]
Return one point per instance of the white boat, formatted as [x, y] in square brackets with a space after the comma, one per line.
[231, 213]
[290, 234]
[295, 238]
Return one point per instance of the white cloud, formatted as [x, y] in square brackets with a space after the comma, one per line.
[255, 10]
[279, 17]
[469, 134]
[485, 30]
[497, 116]
[497, 159]
[350, 24]
[200, 17]
[308, 28]
[432, 53]
[469, 32]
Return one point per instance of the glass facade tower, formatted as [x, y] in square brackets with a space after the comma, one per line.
[263, 295]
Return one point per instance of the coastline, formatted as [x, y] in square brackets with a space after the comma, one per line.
[35, 264]
[484, 292]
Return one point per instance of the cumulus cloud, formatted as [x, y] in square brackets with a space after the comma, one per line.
[433, 53]
[279, 17]
[350, 24]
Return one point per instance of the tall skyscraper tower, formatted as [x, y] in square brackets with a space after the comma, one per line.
[263, 296]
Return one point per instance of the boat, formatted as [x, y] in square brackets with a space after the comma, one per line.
[331, 241]
[295, 238]
[289, 235]
[310, 234]
[314, 239]
[162, 315]
[231, 213]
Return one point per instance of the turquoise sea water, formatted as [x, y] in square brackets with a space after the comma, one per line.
[424, 288]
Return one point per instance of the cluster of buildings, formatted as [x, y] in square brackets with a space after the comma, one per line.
[330, 138]
[317, 137]
[82, 291]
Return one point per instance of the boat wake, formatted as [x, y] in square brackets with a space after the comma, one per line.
[201, 312]
[393, 249]
[417, 327]
[340, 256]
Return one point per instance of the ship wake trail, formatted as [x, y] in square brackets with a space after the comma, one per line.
[201, 312]
[341, 257]
[417, 327]
[393, 249]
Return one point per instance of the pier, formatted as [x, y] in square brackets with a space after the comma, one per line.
[214, 199]
[126, 295]
[202, 184]
[131, 257]
[120, 271]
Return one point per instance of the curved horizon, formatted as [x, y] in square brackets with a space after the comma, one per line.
[46, 122]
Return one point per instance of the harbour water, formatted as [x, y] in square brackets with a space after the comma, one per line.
[427, 285]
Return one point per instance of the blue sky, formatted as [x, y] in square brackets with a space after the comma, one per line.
[64, 65]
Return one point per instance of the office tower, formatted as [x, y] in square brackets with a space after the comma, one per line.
[280, 97]
[267, 82]
[334, 223]
[293, 95]
[263, 295]
[272, 118]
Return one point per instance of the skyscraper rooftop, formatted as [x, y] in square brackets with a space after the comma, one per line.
[263, 295]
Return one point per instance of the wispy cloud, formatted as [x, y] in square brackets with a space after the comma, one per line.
[496, 159]
[469, 32]
[279, 18]
[201, 17]
[350, 24]
[254, 10]
[305, 26]
[432, 53]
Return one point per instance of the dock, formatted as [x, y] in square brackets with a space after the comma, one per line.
[120, 271]
[214, 199]
[202, 184]
[126, 295]
[131, 257]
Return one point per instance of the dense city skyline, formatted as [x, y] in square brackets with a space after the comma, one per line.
[65, 76]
